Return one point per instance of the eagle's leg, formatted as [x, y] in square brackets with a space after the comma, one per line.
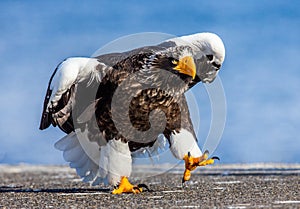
[126, 187]
[191, 163]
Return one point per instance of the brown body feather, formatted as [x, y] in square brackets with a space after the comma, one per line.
[82, 96]
[142, 105]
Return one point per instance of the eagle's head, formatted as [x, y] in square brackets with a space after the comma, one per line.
[208, 52]
[213, 51]
[177, 60]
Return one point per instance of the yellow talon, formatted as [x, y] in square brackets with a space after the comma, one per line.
[192, 163]
[126, 187]
[186, 175]
[207, 162]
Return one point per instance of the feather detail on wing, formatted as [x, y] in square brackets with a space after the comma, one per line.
[70, 75]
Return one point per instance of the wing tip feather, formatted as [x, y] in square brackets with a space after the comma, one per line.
[45, 121]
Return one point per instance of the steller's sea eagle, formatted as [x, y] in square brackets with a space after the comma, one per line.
[116, 104]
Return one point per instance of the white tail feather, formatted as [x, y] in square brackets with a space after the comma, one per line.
[67, 142]
[82, 154]
[72, 155]
[94, 163]
[80, 162]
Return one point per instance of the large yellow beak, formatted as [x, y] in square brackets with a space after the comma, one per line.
[186, 65]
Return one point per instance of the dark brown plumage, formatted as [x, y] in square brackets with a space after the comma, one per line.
[142, 103]
[97, 98]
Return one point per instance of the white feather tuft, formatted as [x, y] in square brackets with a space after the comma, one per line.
[184, 142]
[119, 161]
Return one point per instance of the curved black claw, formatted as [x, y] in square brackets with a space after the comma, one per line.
[184, 184]
[144, 186]
[182, 181]
[215, 158]
[137, 188]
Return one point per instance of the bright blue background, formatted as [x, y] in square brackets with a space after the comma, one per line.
[261, 74]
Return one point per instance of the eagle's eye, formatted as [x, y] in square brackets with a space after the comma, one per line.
[175, 61]
[210, 57]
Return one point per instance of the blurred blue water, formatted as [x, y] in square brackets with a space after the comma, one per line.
[260, 75]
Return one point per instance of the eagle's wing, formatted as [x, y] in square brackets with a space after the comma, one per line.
[95, 159]
[112, 59]
[69, 79]
[71, 91]
[72, 77]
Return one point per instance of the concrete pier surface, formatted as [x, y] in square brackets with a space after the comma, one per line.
[218, 186]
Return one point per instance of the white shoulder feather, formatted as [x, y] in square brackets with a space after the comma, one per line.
[184, 142]
[71, 71]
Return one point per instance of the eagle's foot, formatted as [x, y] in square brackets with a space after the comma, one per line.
[126, 187]
[192, 163]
